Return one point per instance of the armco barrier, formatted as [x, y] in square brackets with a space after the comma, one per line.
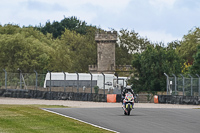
[111, 98]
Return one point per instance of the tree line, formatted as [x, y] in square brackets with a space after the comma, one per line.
[69, 45]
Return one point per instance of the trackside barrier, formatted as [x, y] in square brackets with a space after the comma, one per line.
[156, 99]
[21, 93]
[111, 98]
[179, 99]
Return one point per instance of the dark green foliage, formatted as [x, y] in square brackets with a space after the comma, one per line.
[188, 46]
[58, 28]
[150, 66]
[123, 57]
[195, 68]
[96, 89]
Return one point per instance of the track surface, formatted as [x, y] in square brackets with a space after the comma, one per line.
[141, 120]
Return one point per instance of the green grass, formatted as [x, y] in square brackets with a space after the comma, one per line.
[31, 119]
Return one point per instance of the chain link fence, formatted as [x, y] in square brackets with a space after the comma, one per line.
[35, 81]
[183, 86]
[25, 81]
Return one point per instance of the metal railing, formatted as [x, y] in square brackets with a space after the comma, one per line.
[183, 85]
[35, 81]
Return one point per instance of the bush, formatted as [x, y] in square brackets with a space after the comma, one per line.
[96, 89]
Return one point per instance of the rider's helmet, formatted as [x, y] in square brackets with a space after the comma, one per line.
[128, 89]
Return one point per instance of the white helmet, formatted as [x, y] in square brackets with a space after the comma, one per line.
[128, 87]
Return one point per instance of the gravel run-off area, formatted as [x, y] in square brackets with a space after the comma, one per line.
[83, 104]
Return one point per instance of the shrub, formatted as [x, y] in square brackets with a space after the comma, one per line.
[96, 89]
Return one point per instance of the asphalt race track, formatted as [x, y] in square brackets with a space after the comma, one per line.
[141, 120]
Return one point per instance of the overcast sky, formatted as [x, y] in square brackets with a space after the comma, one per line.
[158, 20]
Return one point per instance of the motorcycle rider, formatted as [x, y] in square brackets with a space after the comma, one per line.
[124, 91]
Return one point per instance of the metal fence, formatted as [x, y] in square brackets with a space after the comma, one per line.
[182, 85]
[31, 81]
[35, 81]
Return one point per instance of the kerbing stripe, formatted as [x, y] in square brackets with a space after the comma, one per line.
[80, 120]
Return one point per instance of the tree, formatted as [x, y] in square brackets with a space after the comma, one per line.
[174, 44]
[150, 66]
[132, 41]
[122, 55]
[188, 46]
[76, 52]
[58, 28]
[29, 49]
[195, 67]
[24, 48]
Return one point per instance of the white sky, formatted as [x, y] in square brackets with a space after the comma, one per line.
[158, 20]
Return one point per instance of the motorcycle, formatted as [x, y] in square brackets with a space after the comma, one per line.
[129, 103]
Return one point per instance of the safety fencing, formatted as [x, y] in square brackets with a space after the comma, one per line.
[182, 85]
[181, 89]
[35, 81]
[31, 85]
[26, 81]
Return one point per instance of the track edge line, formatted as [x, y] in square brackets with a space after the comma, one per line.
[81, 121]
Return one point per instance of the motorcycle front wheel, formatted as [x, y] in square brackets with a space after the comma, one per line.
[129, 109]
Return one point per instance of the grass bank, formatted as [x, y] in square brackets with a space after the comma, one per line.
[31, 119]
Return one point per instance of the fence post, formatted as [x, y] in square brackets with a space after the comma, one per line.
[77, 82]
[199, 83]
[167, 82]
[121, 88]
[5, 78]
[183, 83]
[175, 84]
[191, 84]
[91, 81]
[50, 84]
[36, 74]
[116, 74]
[20, 76]
[64, 81]
[103, 82]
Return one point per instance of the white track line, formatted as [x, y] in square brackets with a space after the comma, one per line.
[80, 120]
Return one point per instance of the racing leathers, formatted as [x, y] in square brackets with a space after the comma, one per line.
[126, 90]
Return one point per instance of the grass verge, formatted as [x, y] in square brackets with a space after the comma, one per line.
[31, 119]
